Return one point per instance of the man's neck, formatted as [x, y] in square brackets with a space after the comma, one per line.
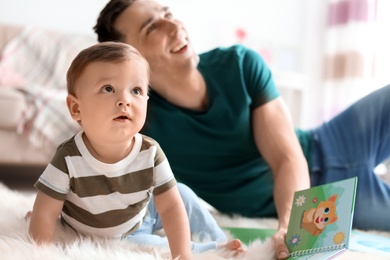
[188, 91]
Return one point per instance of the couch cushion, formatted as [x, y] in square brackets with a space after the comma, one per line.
[12, 105]
[17, 150]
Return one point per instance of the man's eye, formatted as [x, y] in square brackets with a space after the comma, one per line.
[151, 28]
[107, 89]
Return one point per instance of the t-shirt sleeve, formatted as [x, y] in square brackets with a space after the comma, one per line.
[258, 78]
[54, 180]
[163, 175]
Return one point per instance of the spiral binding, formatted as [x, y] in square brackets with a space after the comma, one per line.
[317, 250]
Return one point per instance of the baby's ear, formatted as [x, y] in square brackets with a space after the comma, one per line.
[73, 106]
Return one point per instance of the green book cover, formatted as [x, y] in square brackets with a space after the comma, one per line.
[248, 235]
[321, 218]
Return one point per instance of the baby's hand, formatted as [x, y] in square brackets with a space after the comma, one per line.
[28, 215]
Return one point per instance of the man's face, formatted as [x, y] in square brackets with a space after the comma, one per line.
[160, 38]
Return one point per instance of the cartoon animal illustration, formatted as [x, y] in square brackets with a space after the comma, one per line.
[316, 219]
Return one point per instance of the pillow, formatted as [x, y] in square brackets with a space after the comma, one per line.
[41, 57]
[46, 120]
[35, 63]
[10, 78]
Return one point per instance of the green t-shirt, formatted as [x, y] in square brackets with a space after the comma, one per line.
[213, 151]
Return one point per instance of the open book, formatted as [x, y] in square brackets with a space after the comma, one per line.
[321, 220]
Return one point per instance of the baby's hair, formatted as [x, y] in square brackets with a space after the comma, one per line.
[106, 52]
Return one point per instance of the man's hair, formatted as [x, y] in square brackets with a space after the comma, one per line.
[104, 27]
[115, 52]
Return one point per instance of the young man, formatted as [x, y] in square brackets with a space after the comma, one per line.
[235, 144]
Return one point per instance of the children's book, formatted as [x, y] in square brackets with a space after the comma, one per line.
[248, 235]
[321, 220]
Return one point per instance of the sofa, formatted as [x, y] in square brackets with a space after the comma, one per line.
[33, 114]
[14, 148]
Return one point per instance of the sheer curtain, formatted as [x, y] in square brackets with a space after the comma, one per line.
[382, 46]
[350, 50]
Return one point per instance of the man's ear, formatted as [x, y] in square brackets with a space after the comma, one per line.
[73, 106]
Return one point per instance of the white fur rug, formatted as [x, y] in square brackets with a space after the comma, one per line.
[15, 243]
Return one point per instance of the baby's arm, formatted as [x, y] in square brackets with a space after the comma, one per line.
[44, 218]
[175, 222]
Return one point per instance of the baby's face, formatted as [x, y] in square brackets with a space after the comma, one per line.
[112, 99]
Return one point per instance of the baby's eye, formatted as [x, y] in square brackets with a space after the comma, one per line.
[169, 15]
[137, 91]
[326, 211]
[107, 89]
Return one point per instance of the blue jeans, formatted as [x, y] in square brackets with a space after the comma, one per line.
[353, 144]
[202, 224]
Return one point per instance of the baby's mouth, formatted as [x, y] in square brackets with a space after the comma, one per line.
[122, 118]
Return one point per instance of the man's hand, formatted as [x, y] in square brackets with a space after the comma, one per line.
[281, 250]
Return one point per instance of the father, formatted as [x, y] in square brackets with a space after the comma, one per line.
[228, 134]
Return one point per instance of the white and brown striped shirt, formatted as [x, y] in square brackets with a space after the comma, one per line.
[108, 200]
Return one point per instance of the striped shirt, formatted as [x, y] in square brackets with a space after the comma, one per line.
[108, 200]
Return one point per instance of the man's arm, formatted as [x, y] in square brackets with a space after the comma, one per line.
[174, 218]
[44, 217]
[276, 140]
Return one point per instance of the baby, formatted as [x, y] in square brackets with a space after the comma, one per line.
[105, 180]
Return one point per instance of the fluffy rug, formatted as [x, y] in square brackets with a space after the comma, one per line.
[16, 244]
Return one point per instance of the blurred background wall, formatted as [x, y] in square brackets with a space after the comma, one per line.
[311, 46]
